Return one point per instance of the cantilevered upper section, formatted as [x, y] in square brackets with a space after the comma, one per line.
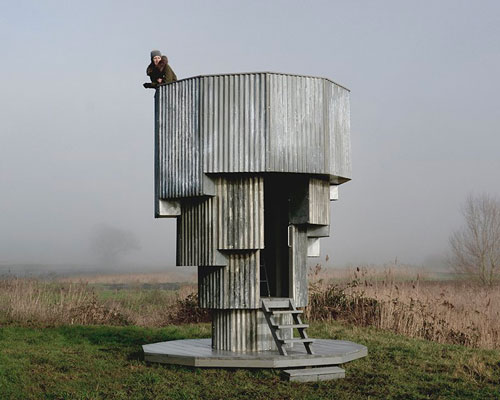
[249, 123]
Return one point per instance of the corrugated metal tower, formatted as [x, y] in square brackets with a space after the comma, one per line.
[248, 164]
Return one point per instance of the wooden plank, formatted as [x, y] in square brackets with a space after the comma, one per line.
[313, 371]
[287, 311]
[198, 353]
[276, 302]
[313, 374]
[166, 359]
[298, 326]
[296, 340]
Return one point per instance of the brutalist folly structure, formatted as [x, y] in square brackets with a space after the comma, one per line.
[248, 164]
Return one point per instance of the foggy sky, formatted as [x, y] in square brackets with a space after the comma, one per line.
[76, 126]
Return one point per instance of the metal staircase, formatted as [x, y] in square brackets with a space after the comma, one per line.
[275, 309]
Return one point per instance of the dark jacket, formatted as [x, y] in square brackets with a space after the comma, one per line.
[161, 71]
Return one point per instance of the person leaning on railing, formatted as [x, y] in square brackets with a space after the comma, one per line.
[159, 70]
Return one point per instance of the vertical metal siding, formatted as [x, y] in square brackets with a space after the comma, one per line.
[249, 123]
[233, 112]
[310, 201]
[234, 330]
[297, 135]
[240, 330]
[197, 233]
[299, 265]
[319, 202]
[179, 154]
[231, 287]
[339, 126]
[241, 212]
[158, 178]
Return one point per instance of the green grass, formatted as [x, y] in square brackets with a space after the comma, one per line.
[102, 362]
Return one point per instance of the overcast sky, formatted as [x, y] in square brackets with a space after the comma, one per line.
[76, 126]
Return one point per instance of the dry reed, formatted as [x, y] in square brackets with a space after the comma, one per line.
[41, 303]
[33, 302]
[400, 300]
[175, 276]
[456, 312]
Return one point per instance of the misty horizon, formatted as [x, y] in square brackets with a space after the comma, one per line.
[77, 127]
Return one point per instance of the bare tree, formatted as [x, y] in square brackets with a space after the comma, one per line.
[109, 243]
[475, 248]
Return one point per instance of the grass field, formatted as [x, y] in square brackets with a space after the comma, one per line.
[71, 338]
[103, 362]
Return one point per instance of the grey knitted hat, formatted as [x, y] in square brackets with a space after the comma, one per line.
[155, 53]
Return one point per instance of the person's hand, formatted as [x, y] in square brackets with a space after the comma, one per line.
[158, 80]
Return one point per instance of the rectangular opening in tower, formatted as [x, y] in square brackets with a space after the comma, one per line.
[275, 262]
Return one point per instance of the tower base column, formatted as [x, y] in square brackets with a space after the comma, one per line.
[241, 331]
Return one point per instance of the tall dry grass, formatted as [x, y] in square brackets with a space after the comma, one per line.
[405, 301]
[456, 312]
[43, 303]
[135, 278]
[34, 302]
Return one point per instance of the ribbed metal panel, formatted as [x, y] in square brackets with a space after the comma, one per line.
[299, 265]
[233, 112]
[254, 122]
[297, 137]
[240, 330]
[319, 201]
[197, 233]
[241, 212]
[339, 126]
[309, 201]
[231, 287]
[178, 143]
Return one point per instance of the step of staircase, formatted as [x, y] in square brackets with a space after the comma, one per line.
[276, 312]
[313, 374]
[272, 308]
[276, 302]
[296, 340]
[298, 326]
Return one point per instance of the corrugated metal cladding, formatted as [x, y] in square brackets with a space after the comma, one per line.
[197, 233]
[254, 122]
[231, 287]
[233, 112]
[241, 212]
[310, 201]
[297, 139]
[240, 330]
[339, 126]
[299, 265]
[233, 220]
[319, 202]
[178, 144]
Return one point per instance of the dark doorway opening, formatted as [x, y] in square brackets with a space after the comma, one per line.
[275, 260]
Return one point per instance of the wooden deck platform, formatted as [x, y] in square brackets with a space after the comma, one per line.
[199, 353]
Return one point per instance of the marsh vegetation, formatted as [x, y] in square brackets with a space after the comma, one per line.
[80, 337]
[402, 300]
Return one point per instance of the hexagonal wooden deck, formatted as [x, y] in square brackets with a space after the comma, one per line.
[199, 353]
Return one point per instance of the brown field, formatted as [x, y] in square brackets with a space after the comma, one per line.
[25, 301]
[402, 300]
[409, 302]
[134, 278]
